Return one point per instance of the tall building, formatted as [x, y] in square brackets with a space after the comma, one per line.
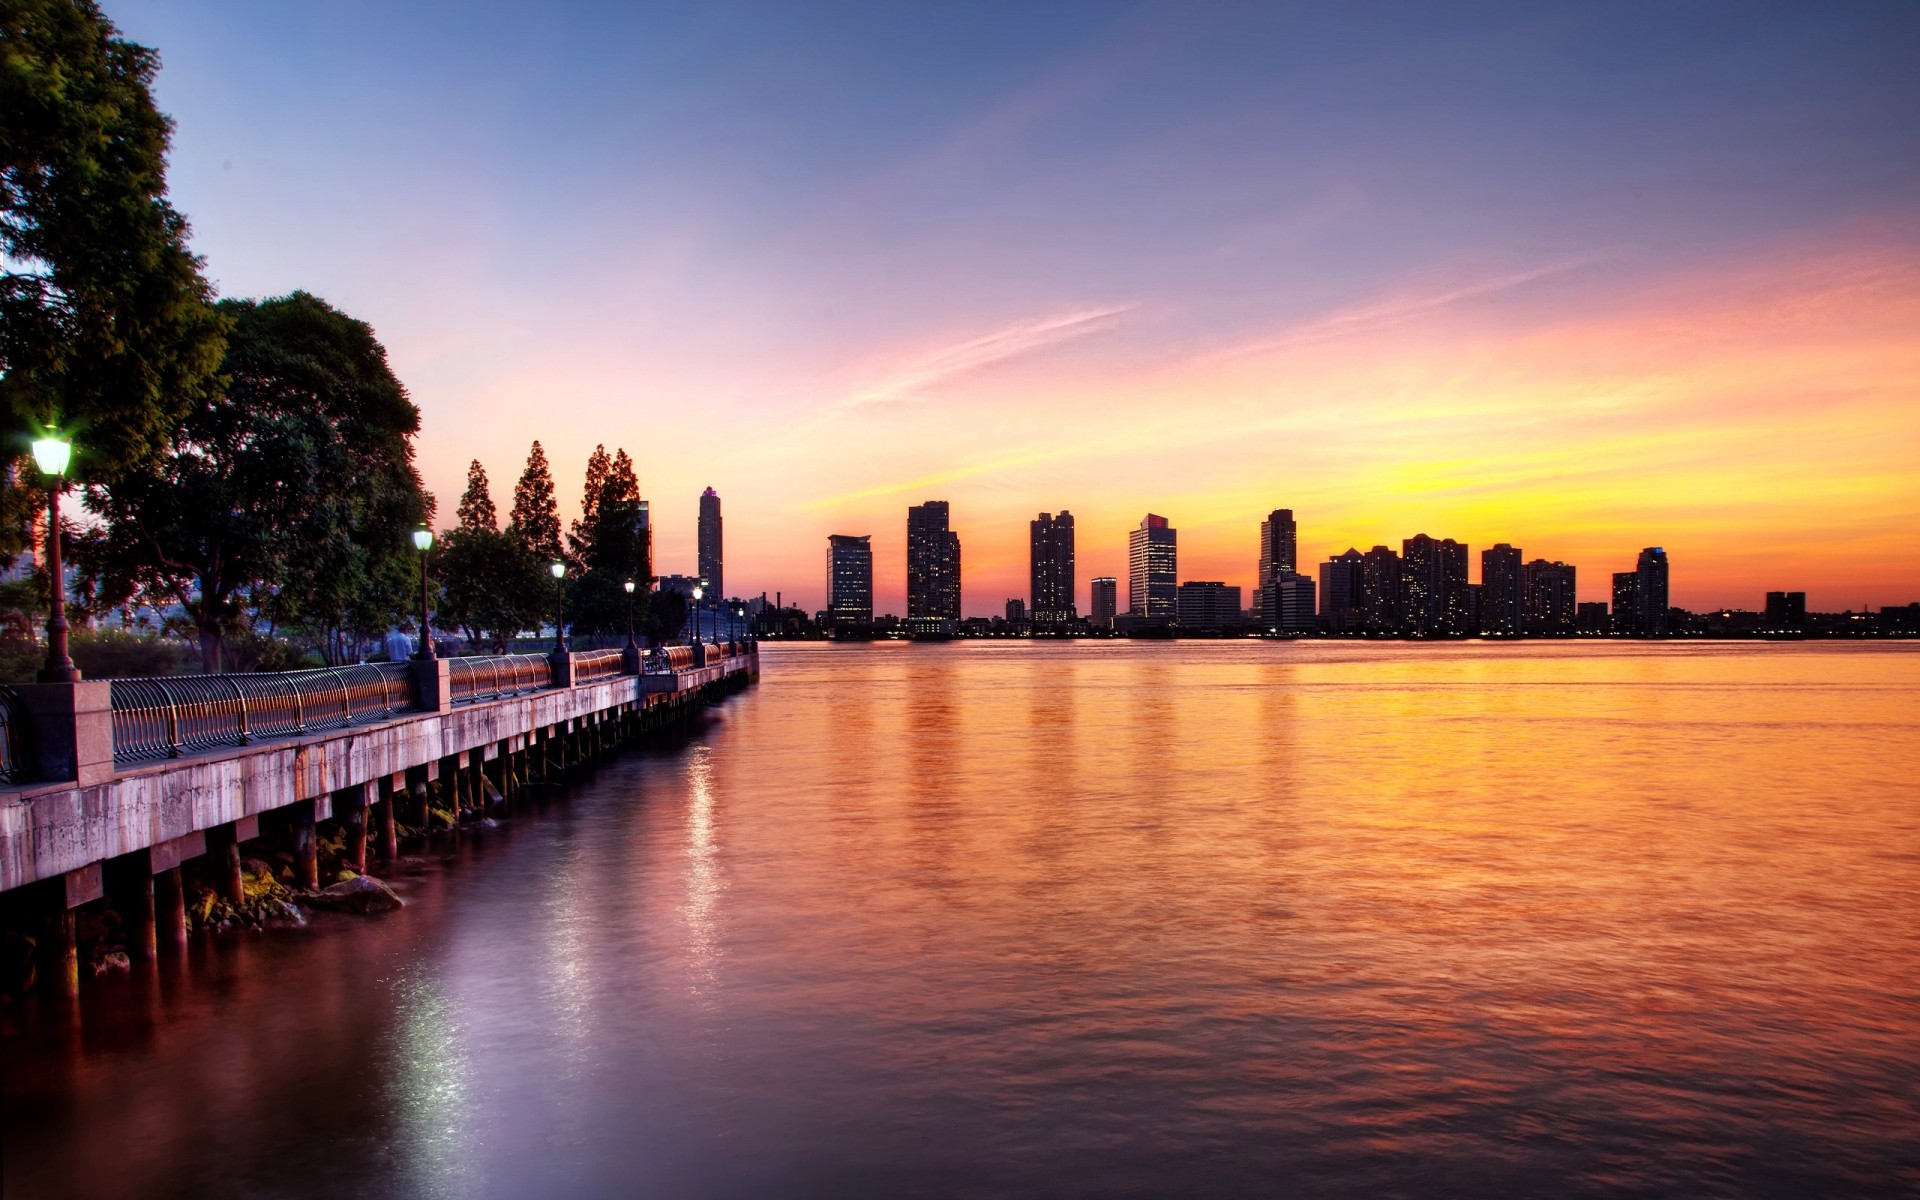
[1277, 552]
[1342, 588]
[1050, 563]
[1627, 616]
[1652, 570]
[850, 579]
[1433, 586]
[1786, 612]
[1016, 611]
[1380, 601]
[1502, 599]
[1207, 604]
[1105, 602]
[1153, 570]
[1293, 603]
[1549, 603]
[709, 543]
[933, 563]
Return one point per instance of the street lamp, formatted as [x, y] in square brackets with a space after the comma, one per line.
[630, 642]
[697, 593]
[52, 454]
[423, 542]
[559, 570]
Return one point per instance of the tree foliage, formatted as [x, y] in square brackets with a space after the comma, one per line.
[492, 582]
[536, 512]
[295, 489]
[107, 330]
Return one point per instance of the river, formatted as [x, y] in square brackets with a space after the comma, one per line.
[1095, 919]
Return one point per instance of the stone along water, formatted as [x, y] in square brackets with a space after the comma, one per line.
[1098, 919]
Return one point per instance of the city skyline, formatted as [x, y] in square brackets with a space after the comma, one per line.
[1447, 272]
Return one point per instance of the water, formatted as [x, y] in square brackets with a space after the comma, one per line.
[988, 919]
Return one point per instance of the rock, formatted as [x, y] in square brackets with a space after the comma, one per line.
[111, 960]
[363, 894]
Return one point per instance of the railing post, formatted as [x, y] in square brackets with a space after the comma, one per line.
[562, 668]
[173, 719]
[246, 737]
[72, 725]
[433, 684]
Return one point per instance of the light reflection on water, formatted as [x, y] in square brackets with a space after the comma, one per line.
[1101, 919]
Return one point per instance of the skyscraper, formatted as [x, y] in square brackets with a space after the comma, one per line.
[1502, 601]
[1380, 601]
[1786, 612]
[1050, 561]
[1153, 570]
[1626, 616]
[850, 579]
[1652, 591]
[1293, 603]
[1277, 554]
[933, 563]
[1207, 604]
[1105, 602]
[1549, 599]
[1434, 586]
[1342, 587]
[709, 543]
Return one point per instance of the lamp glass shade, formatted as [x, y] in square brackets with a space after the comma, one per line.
[52, 455]
[697, 593]
[629, 587]
[559, 569]
[423, 539]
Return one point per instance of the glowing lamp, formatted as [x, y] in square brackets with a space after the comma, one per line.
[52, 455]
[559, 569]
[423, 539]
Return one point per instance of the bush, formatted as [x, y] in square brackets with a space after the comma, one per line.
[117, 654]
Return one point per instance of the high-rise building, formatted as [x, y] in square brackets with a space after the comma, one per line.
[1652, 591]
[1105, 602]
[1277, 549]
[1050, 561]
[1548, 598]
[1380, 599]
[1342, 589]
[1293, 603]
[1207, 604]
[1591, 617]
[1153, 570]
[1433, 586]
[933, 563]
[1016, 611]
[1786, 612]
[1502, 598]
[709, 544]
[1627, 616]
[850, 579]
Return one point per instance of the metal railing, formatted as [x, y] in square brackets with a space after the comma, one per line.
[674, 658]
[162, 717]
[492, 676]
[16, 759]
[592, 666]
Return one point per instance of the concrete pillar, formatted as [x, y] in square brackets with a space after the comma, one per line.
[388, 835]
[351, 806]
[133, 897]
[72, 730]
[60, 953]
[170, 910]
[432, 685]
[223, 844]
[306, 851]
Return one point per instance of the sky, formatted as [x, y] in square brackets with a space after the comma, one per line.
[1581, 278]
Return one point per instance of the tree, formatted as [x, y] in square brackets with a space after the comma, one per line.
[476, 503]
[492, 583]
[581, 540]
[107, 329]
[295, 489]
[616, 550]
[536, 515]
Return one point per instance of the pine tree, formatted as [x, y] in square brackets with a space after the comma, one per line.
[583, 530]
[476, 506]
[536, 515]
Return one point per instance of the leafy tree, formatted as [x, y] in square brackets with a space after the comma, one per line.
[476, 503]
[616, 549]
[107, 330]
[536, 514]
[493, 584]
[580, 541]
[295, 489]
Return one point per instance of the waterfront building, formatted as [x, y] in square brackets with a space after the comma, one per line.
[1380, 599]
[850, 579]
[1207, 604]
[1591, 617]
[933, 563]
[1050, 568]
[1433, 586]
[1153, 569]
[1342, 588]
[1626, 617]
[1502, 599]
[709, 544]
[1786, 612]
[1652, 591]
[1548, 597]
[1293, 603]
[1016, 611]
[1105, 601]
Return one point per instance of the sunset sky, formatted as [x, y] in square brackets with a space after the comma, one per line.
[1582, 278]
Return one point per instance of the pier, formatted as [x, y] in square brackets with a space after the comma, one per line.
[113, 788]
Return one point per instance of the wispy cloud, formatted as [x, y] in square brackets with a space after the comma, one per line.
[920, 375]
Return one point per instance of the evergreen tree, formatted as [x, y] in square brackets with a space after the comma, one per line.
[583, 530]
[536, 515]
[476, 504]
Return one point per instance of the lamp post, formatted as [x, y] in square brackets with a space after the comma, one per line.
[698, 591]
[423, 542]
[560, 611]
[630, 642]
[52, 454]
